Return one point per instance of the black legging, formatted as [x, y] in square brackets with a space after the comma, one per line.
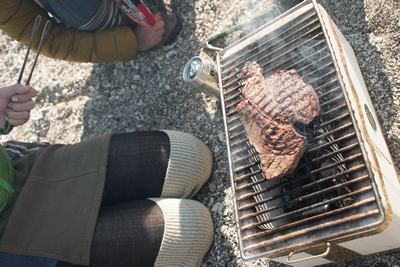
[130, 227]
[136, 167]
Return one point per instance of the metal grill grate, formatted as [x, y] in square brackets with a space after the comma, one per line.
[331, 194]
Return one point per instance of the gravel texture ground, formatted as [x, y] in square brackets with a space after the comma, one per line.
[78, 101]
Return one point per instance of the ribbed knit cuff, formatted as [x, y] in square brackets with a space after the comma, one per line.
[189, 166]
[188, 232]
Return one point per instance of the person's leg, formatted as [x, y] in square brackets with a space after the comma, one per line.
[151, 232]
[155, 164]
[128, 234]
[166, 231]
[136, 166]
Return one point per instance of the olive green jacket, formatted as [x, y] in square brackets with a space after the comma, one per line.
[17, 18]
[58, 191]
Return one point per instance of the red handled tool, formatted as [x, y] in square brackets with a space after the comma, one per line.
[137, 11]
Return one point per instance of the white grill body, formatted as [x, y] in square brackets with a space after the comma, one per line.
[375, 234]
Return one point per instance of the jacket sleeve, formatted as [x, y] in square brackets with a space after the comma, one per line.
[18, 16]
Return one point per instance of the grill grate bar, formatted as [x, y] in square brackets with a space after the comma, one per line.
[245, 176]
[338, 129]
[290, 214]
[233, 119]
[311, 230]
[299, 189]
[235, 77]
[335, 109]
[338, 140]
[243, 149]
[353, 206]
[255, 182]
[275, 60]
[354, 157]
[231, 113]
[244, 167]
[233, 96]
[244, 158]
[248, 50]
[309, 48]
[251, 184]
[337, 163]
[236, 102]
[321, 77]
[305, 196]
[312, 73]
[333, 121]
[291, 246]
[238, 143]
[326, 94]
[238, 134]
[299, 211]
[278, 43]
[235, 127]
[333, 101]
[331, 82]
[234, 89]
[315, 171]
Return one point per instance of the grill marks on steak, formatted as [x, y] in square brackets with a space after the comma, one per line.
[279, 145]
[285, 90]
[293, 91]
[269, 109]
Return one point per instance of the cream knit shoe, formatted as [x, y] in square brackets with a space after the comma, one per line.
[188, 232]
[189, 166]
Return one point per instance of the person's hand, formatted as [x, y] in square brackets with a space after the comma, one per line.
[148, 37]
[16, 104]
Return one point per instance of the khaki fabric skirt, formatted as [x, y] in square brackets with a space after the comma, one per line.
[58, 191]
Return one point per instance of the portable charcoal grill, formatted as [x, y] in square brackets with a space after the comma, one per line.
[338, 198]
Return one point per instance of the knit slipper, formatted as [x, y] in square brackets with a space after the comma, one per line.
[188, 232]
[173, 26]
[189, 167]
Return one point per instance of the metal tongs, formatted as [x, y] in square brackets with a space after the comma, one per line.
[7, 126]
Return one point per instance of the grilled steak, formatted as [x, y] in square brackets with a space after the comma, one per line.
[269, 109]
[296, 101]
[279, 145]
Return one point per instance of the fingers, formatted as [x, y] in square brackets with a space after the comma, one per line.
[26, 93]
[17, 93]
[22, 89]
[157, 16]
[8, 92]
[19, 113]
[160, 24]
[19, 108]
[16, 103]
[17, 117]
[148, 37]
[15, 106]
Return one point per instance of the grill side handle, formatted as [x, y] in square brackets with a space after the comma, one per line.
[328, 249]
